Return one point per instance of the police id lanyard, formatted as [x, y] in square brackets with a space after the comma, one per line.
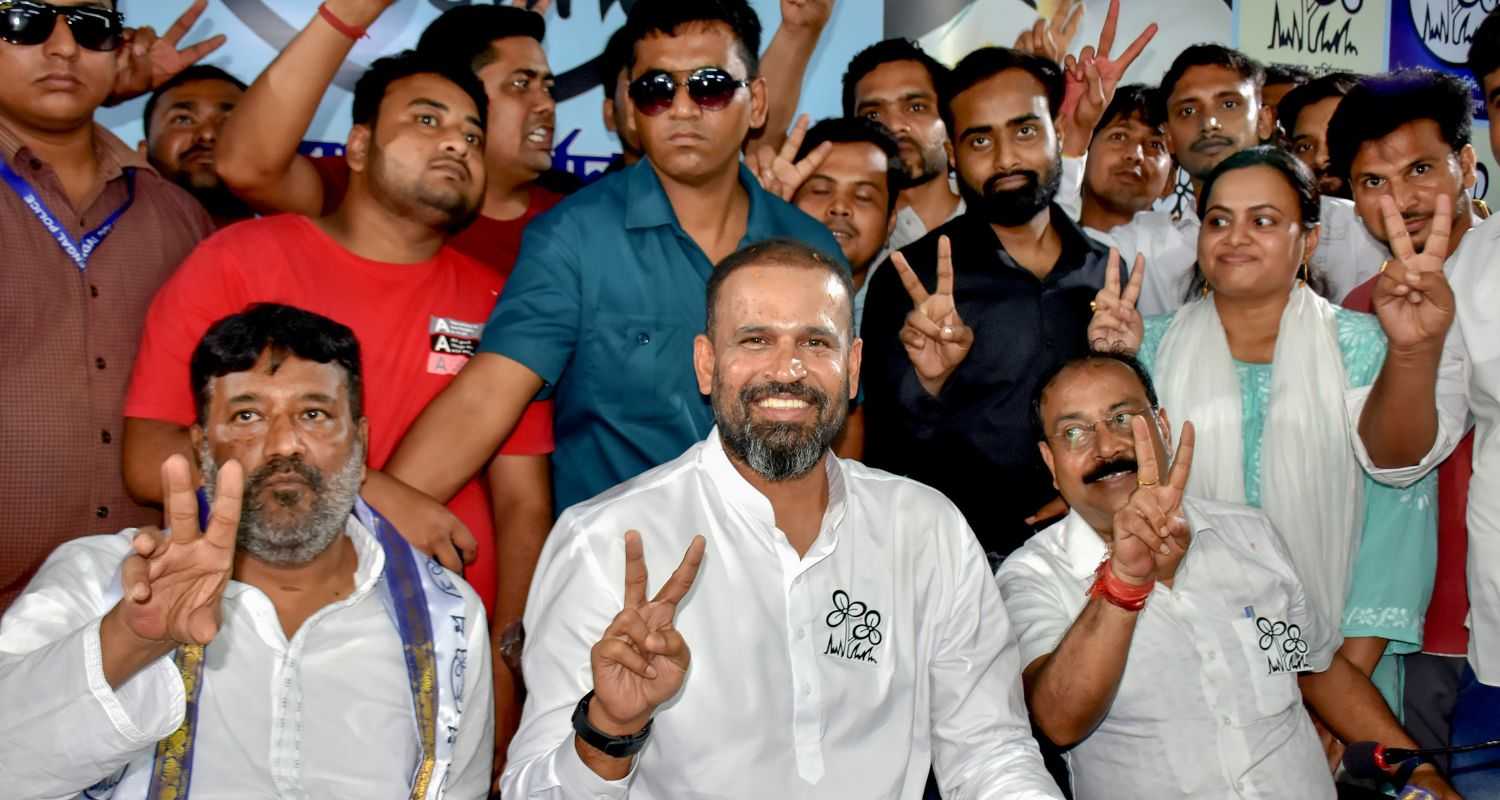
[80, 250]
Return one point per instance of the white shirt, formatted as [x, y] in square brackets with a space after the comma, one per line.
[1468, 394]
[326, 715]
[1347, 254]
[1199, 712]
[839, 674]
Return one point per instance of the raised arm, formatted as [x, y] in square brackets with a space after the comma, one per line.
[1415, 305]
[257, 151]
[784, 66]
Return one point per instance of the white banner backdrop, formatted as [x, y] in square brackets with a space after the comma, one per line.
[258, 29]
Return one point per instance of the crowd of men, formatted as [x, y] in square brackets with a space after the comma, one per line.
[914, 452]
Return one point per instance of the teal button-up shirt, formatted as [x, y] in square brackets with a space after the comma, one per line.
[604, 302]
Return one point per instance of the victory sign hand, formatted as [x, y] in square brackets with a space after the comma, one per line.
[936, 338]
[1412, 297]
[1151, 534]
[778, 172]
[1117, 325]
[642, 659]
[1091, 81]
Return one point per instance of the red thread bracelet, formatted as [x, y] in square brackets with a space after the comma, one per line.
[339, 25]
[1117, 592]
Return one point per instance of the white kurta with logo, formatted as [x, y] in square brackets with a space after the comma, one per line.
[839, 674]
[1208, 706]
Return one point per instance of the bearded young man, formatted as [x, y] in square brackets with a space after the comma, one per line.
[845, 631]
[275, 652]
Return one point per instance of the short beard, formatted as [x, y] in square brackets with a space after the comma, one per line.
[930, 166]
[307, 537]
[777, 451]
[450, 213]
[1014, 207]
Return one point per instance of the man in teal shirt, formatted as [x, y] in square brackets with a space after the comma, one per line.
[607, 293]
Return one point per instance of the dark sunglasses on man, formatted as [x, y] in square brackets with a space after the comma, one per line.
[711, 88]
[25, 22]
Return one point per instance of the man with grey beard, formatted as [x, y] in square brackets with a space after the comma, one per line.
[845, 632]
[273, 652]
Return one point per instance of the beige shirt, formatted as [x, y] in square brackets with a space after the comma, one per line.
[67, 340]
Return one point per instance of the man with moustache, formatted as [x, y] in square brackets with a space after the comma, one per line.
[235, 660]
[90, 230]
[182, 122]
[1305, 112]
[608, 338]
[842, 630]
[1404, 138]
[1140, 582]
[847, 173]
[1211, 97]
[1128, 166]
[896, 83]
[951, 360]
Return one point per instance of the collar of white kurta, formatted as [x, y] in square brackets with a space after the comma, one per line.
[428, 609]
[743, 497]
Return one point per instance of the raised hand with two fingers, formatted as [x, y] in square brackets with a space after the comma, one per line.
[146, 61]
[642, 659]
[778, 170]
[1091, 80]
[1117, 325]
[1151, 533]
[935, 336]
[1412, 297]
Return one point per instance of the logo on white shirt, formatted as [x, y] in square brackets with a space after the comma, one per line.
[1283, 646]
[855, 630]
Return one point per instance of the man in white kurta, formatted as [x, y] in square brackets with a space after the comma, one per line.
[305, 689]
[845, 631]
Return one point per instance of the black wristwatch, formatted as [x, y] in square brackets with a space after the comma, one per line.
[612, 746]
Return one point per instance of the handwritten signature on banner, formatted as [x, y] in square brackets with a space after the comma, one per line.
[1446, 27]
[1341, 34]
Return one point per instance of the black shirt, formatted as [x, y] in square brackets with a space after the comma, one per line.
[975, 441]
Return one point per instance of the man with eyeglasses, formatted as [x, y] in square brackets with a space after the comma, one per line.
[608, 293]
[1166, 641]
[90, 231]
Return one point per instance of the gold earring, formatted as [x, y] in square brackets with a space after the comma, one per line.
[1302, 275]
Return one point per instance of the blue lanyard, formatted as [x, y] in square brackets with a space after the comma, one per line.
[81, 250]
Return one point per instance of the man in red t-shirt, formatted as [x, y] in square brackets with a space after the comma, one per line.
[257, 152]
[379, 265]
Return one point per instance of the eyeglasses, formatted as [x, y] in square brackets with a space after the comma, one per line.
[1080, 436]
[711, 88]
[26, 23]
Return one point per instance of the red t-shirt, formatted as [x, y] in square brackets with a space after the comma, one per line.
[416, 325]
[1443, 631]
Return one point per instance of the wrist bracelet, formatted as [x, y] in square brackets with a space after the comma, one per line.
[339, 25]
[613, 746]
[1117, 592]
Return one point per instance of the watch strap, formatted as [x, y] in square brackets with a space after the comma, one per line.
[612, 746]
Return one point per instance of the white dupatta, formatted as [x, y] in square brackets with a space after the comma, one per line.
[1311, 485]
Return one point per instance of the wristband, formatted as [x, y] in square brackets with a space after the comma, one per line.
[1117, 592]
[612, 746]
[340, 25]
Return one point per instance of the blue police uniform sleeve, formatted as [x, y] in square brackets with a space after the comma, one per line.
[537, 320]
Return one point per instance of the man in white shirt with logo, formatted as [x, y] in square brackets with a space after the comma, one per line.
[1168, 641]
[1213, 109]
[288, 649]
[845, 632]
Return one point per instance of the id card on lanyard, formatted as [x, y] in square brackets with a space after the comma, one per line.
[80, 250]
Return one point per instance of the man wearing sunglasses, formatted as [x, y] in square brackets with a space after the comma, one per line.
[608, 293]
[90, 232]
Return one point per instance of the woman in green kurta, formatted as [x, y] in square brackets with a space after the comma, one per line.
[1277, 389]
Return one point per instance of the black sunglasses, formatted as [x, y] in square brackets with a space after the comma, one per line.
[24, 22]
[711, 88]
